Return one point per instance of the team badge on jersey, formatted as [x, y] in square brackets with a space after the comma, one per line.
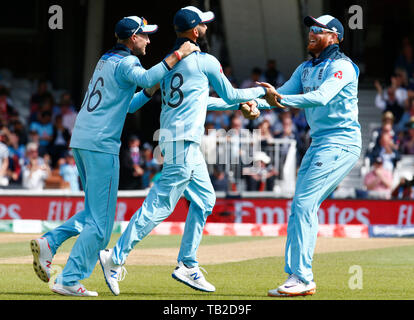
[338, 75]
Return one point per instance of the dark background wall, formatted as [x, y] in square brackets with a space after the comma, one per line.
[31, 50]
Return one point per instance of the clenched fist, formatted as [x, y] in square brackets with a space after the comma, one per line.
[249, 110]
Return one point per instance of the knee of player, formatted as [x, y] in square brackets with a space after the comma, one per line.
[302, 203]
[102, 235]
[211, 202]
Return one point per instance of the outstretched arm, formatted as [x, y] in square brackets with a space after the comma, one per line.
[131, 72]
[212, 69]
[218, 104]
[141, 98]
[340, 74]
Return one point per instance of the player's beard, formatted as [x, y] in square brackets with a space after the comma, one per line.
[318, 46]
[203, 43]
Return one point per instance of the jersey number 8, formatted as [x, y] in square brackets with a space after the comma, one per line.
[175, 90]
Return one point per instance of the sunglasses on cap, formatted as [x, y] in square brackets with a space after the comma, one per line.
[318, 30]
[144, 22]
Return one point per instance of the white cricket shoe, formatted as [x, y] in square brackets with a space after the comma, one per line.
[42, 258]
[113, 273]
[77, 290]
[192, 277]
[293, 286]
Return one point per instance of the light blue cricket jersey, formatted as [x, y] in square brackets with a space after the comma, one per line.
[327, 89]
[185, 95]
[99, 124]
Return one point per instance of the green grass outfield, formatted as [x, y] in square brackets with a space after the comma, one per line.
[388, 274]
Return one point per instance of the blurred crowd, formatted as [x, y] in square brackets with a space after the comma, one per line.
[394, 138]
[34, 150]
[35, 154]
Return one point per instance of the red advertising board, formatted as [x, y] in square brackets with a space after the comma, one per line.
[247, 210]
[270, 211]
[61, 208]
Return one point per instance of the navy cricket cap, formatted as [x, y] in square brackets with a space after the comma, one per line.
[128, 26]
[326, 22]
[188, 17]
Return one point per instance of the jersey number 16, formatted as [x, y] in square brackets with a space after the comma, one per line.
[95, 92]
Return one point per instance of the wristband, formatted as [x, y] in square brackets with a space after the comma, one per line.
[177, 54]
[147, 94]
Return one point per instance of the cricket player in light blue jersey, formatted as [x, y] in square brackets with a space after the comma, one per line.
[185, 96]
[326, 87]
[96, 143]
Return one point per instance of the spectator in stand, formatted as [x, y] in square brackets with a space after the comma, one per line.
[16, 152]
[59, 143]
[33, 136]
[278, 127]
[46, 104]
[67, 111]
[387, 150]
[406, 117]
[378, 181]
[16, 157]
[219, 179]
[44, 129]
[255, 75]
[40, 95]
[266, 136]
[407, 145]
[19, 129]
[36, 171]
[299, 120]
[288, 132]
[6, 105]
[4, 160]
[272, 75]
[387, 125]
[149, 164]
[261, 176]
[69, 171]
[131, 171]
[394, 98]
[405, 189]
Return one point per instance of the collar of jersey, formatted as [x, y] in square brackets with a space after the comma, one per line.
[122, 47]
[180, 41]
[328, 53]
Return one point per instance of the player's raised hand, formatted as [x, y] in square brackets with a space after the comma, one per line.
[249, 110]
[187, 48]
[272, 96]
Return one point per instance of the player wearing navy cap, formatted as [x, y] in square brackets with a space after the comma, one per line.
[96, 142]
[326, 87]
[185, 99]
